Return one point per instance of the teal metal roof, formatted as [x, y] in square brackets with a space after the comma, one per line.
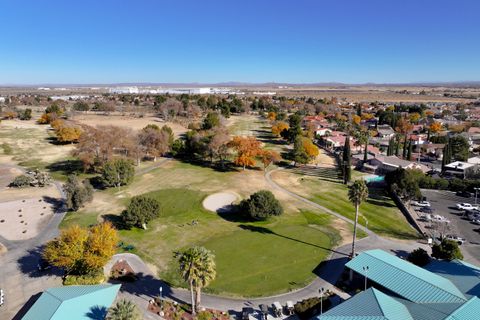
[465, 276]
[368, 305]
[406, 279]
[73, 303]
[468, 311]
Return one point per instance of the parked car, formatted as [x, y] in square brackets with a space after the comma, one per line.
[464, 194]
[457, 239]
[420, 203]
[466, 206]
[476, 221]
[439, 218]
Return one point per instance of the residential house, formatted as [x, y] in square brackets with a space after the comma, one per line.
[385, 131]
[384, 164]
[400, 290]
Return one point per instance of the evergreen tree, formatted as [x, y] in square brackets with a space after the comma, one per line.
[409, 154]
[346, 163]
[447, 155]
[397, 147]
[405, 147]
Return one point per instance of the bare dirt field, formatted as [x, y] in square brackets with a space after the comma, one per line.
[24, 219]
[127, 121]
[29, 143]
[7, 174]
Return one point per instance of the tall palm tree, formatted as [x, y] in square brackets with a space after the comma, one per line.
[357, 193]
[197, 267]
[124, 310]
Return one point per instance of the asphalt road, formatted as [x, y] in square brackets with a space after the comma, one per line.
[443, 202]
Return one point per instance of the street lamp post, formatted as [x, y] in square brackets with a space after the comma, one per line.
[366, 224]
[322, 291]
[365, 270]
[161, 290]
[476, 189]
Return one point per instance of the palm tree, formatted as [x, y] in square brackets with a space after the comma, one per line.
[357, 193]
[124, 310]
[197, 267]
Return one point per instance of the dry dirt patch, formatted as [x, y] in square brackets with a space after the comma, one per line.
[24, 219]
[127, 121]
[219, 201]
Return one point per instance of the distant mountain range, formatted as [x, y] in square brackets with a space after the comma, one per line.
[252, 84]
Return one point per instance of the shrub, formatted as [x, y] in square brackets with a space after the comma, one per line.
[117, 172]
[419, 257]
[140, 211]
[81, 106]
[7, 149]
[261, 205]
[446, 250]
[22, 181]
[26, 114]
[94, 277]
[308, 308]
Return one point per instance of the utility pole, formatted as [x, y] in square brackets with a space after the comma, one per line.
[365, 270]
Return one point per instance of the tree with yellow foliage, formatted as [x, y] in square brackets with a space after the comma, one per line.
[356, 119]
[278, 127]
[68, 134]
[246, 148]
[435, 127]
[310, 148]
[414, 117]
[79, 250]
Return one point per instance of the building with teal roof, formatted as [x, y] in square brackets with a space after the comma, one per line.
[73, 303]
[441, 290]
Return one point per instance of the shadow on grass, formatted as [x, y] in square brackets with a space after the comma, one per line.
[66, 167]
[264, 230]
[116, 221]
[226, 166]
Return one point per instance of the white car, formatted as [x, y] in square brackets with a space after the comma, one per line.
[421, 203]
[466, 206]
[439, 218]
[476, 221]
[455, 238]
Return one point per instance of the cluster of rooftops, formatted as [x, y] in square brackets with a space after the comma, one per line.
[441, 290]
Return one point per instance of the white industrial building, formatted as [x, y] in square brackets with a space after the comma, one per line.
[124, 90]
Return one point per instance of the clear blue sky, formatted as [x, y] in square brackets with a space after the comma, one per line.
[297, 41]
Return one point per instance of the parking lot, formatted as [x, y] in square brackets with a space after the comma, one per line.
[443, 203]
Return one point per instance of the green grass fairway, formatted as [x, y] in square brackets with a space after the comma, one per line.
[379, 209]
[253, 259]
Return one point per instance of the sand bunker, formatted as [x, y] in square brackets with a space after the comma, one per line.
[219, 201]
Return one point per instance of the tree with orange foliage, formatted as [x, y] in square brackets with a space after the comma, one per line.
[367, 116]
[57, 123]
[435, 127]
[278, 127]
[268, 157]
[271, 116]
[246, 148]
[47, 118]
[404, 127]
[100, 246]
